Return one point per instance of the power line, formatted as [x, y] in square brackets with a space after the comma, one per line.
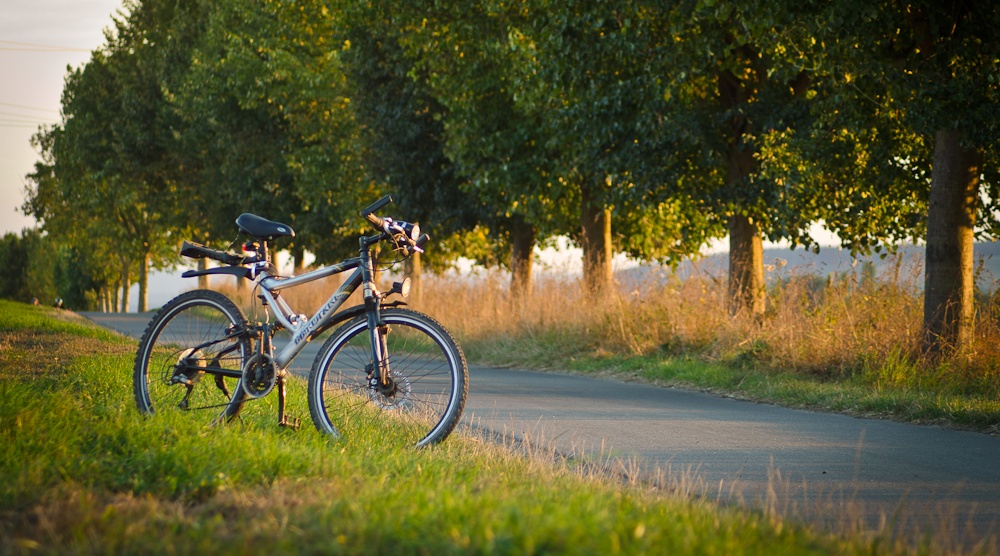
[15, 120]
[19, 126]
[23, 107]
[24, 118]
[15, 46]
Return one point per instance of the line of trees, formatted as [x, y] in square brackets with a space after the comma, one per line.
[629, 126]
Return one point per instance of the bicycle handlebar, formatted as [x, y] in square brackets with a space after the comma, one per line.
[368, 212]
[198, 251]
[421, 241]
[376, 205]
[401, 233]
[398, 231]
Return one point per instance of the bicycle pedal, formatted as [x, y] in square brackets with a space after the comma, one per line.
[290, 423]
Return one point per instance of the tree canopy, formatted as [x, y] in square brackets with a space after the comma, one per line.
[636, 127]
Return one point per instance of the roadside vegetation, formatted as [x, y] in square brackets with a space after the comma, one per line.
[86, 474]
[848, 342]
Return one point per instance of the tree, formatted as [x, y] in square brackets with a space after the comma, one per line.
[26, 267]
[269, 123]
[927, 72]
[463, 57]
[949, 76]
[405, 121]
[571, 79]
[742, 100]
[109, 176]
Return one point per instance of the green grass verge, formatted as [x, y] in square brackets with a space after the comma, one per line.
[85, 473]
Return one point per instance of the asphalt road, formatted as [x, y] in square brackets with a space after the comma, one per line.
[826, 468]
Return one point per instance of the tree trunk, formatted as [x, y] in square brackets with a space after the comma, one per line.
[203, 279]
[522, 240]
[144, 283]
[126, 283]
[746, 267]
[114, 296]
[951, 216]
[746, 257]
[597, 252]
[746, 254]
[414, 270]
[298, 260]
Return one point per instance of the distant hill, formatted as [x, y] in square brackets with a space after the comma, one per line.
[907, 263]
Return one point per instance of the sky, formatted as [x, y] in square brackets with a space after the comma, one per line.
[38, 40]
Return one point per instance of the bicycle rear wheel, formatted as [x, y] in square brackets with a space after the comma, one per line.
[426, 393]
[190, 358]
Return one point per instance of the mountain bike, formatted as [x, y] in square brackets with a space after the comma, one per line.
[383, 367]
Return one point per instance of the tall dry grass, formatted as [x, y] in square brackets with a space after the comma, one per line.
[847, 324]
[811, 325]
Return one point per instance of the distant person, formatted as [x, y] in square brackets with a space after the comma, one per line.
[34, 301]
[59, 303]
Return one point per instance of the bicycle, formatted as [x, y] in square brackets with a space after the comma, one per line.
[384, 365]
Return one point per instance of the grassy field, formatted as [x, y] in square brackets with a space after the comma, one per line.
[85, 473]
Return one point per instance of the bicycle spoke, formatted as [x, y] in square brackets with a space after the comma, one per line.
[183, 354]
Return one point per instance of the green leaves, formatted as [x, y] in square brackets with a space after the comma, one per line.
[475, 113]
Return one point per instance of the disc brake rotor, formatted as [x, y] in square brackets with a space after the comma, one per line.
[396, 395]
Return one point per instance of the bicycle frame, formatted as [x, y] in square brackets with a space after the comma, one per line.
[304, 330]
[218, 339]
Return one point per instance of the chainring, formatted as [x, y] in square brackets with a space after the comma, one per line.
[259, 376]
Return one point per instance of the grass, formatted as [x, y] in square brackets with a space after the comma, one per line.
[85, 473]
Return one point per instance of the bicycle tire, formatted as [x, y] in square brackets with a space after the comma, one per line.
[429, 373]
[191, 331]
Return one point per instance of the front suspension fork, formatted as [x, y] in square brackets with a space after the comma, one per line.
[380, 375]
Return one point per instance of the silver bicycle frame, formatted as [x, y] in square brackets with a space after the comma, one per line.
[302, 330]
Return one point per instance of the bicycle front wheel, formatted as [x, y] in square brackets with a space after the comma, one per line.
[190, 358]
[421, 402]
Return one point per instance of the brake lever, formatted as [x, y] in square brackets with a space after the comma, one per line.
[410, 243]
[395, 231]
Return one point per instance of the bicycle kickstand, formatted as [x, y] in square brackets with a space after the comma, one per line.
[284, 420]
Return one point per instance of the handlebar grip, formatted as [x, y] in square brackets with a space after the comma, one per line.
[379, 223]
[198, 251]
[421, 241]
[375, 206]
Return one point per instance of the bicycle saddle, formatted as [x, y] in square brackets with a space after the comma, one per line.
[262, 228]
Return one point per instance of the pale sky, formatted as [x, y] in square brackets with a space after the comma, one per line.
[38, 40]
